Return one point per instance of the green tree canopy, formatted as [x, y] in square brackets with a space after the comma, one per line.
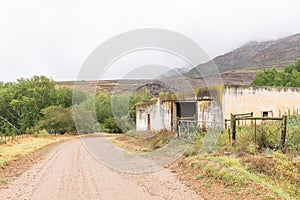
[21, 102]
[57, 119]
[64, 97]
[289, 76]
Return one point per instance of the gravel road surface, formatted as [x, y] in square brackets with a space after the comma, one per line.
[69, 171]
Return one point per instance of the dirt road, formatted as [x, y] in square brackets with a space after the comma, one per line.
[70, 172]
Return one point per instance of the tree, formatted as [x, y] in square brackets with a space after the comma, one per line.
[116, 113]
[57, 119]
[30, 96]
[79, 96]
[21, 102]
[289, 77]
[103, 106]
[85, 121]
[293, 67]
[64, 97]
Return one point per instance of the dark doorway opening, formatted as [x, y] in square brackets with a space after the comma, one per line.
[186, 109]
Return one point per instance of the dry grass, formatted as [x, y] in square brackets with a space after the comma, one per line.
[246, 165]
[143, 141]
[15, 149]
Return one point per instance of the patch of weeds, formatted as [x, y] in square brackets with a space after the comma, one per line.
[210, 141]
[226, 176]
[232, 190]
[196, 165]
[161, 139]
[4, 180]
[226, 161]
[253, 191]
[15, 150]
[195, 147]
[43, 133]
[207, 184]
[263, 165]
[198, 176]
[276, 171]
[2, 142]
[269, 197]
[252, 148]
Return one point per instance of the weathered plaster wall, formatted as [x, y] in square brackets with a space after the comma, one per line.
[242, 99]
[160, 116]
[209, 114]
[216, 103]
[210, 106]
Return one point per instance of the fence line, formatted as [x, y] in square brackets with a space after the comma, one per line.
[246, 117]
[187, 127]
[8, 138]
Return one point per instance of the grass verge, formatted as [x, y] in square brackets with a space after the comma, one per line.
[15, 149]
[248, 170]
[143, 141]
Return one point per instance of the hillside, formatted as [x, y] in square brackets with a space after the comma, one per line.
[236, 67]
[117, 86]
[255, 56]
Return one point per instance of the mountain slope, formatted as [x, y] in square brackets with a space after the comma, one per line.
[255, 55]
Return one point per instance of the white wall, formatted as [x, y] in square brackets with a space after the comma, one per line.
[235, 100]
[160, 116]
[258, 99]
[209, 114]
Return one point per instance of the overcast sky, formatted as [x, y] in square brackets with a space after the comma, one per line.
[54, 37]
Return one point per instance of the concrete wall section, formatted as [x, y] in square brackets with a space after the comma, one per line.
[209, 114]
[242, 99]
[159, 114]
[215, 104]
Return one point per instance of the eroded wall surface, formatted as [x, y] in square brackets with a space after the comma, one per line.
[209, 115]
[159, 113]
[215, 104]
[275, 100]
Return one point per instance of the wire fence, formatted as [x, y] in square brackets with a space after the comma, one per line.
[7, 138]
[293, 133]
[188, 128]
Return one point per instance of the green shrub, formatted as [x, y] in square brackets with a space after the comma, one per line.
[2, 142]
[111, 126]
[43, 133]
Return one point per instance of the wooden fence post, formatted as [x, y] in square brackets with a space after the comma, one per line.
[233, 128]
[255, 131]
[283, 133]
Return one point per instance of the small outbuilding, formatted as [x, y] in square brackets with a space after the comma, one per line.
[210, 106]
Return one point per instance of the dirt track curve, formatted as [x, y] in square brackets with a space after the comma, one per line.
[70, 172]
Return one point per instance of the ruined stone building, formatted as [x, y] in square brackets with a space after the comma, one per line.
[210, 106]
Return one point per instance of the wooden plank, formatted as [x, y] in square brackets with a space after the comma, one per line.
[259, 118]
[283, 133]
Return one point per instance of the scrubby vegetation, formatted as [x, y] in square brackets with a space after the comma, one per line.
[114, 113]
[34, 104]
[252, 167]
[23, 104]
[144, 141]
[16, 149]
[289, 76]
